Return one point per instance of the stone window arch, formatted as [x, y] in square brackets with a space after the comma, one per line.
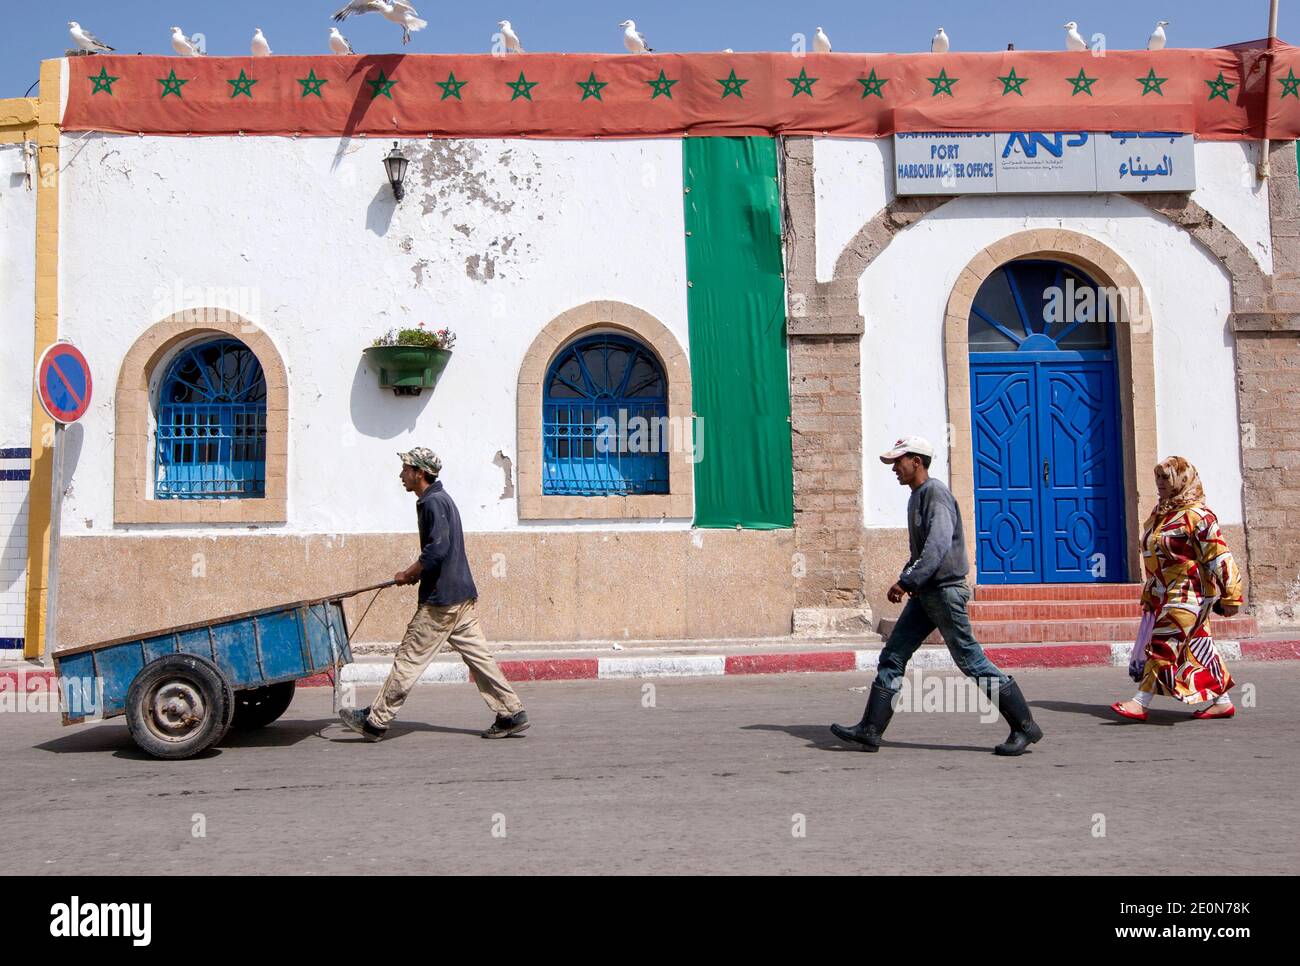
[134, 409]
[616, 318]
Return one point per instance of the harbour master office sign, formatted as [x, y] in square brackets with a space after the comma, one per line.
[1032, 162]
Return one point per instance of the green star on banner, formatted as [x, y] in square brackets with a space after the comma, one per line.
[243, 84]
[873, 84]
[591, 87]
[661, 86]
[522, 87]
[172, 84]
[311, 84]
[103, 82]
[381, 85]
[943, 83]
[1082, 83]
[803, 83]
[733, 85]
[451, 87]
[1219, 87]
[1011, 84]
[1290, 84]
[1151, 83]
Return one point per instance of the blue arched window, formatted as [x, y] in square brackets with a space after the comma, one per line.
[211, 437]
[1040, 306]
[604, 420]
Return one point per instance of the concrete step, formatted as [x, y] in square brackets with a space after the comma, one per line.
[1078, 631]
[1010, 592]
[998, 610]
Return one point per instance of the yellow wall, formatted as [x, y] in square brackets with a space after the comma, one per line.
[47, 331]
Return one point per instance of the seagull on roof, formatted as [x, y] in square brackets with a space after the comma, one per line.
[633, 40]
[261, 48]
[338, 43]
[399, 12]
[821, 43]
[84, 39]
[513, 46]
[1073, 39]
[1157, 40]
[184, 45]
[939, 42]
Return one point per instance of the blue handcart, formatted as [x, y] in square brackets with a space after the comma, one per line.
[181, 689]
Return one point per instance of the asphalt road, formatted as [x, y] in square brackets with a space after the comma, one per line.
[716, 777]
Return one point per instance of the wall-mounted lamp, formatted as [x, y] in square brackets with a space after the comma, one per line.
[395, 164]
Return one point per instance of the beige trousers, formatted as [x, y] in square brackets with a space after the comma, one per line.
[432, 627]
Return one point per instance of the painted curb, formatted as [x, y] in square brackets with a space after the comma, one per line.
[1047, 656]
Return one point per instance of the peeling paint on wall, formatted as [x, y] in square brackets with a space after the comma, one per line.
[503, 461]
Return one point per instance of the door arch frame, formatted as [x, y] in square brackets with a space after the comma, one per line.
[1134, 365]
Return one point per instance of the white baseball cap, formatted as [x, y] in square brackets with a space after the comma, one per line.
[908, 444]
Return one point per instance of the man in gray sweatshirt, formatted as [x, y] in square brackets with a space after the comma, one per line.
[934, 581]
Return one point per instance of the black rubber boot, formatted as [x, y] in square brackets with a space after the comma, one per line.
[875, 720]
[1024, 731]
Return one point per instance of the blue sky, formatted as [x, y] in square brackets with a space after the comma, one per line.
[34, 31]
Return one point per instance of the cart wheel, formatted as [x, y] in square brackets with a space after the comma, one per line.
[177, 706]
[258, 707]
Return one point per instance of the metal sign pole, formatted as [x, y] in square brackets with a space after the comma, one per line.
[56, 512]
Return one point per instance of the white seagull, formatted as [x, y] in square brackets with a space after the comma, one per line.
[511, 38]
[821, 43]
[939, 42]
[1157, 41]
[1073, 39]
[260, 46]
[399, 12]
[84, 39]
[338, 43]
[183, 45]
[634, 41]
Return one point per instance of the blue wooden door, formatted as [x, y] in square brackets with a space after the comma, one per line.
[1048, 465]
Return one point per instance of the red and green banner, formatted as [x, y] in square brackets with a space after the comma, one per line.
[1216, 94]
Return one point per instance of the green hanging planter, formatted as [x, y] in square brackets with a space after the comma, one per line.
[407, 369]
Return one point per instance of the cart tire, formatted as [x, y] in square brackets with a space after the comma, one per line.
[177, 706]
[258, 707]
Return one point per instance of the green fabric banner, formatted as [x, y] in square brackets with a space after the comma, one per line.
[736, 315]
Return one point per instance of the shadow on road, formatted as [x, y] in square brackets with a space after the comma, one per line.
[282, 734]
[819, 736]
[1103, 713]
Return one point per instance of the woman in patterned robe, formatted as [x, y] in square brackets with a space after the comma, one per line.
[1190, 571]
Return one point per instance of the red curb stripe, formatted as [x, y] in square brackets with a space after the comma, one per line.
[42, 678]
[316, 681]
[787, 663]
[1052, 655]
[563, 669]
[1270, 650]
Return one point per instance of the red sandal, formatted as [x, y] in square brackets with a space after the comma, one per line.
[1204, 713]
[1118, 708]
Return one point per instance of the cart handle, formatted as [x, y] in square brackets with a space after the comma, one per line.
[362, 590]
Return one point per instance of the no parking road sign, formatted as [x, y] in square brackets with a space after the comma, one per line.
[63, 382]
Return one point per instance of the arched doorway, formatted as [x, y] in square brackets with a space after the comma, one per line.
[1045, 414]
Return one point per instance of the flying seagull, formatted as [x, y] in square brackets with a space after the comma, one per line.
[634, 41]
[821, 43]
[939, 42]
[338, 43]
[84, 39]
[399, 12]
[1157, 41]
[184, 45]
[510, 37]
[1073, 39]
[260, 46]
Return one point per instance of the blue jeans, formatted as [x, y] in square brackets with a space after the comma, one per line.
[943, 608]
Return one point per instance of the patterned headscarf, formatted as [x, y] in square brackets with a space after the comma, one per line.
[1187, 490]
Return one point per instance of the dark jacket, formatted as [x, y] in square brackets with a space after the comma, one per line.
[446, 578]
[938, 544]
